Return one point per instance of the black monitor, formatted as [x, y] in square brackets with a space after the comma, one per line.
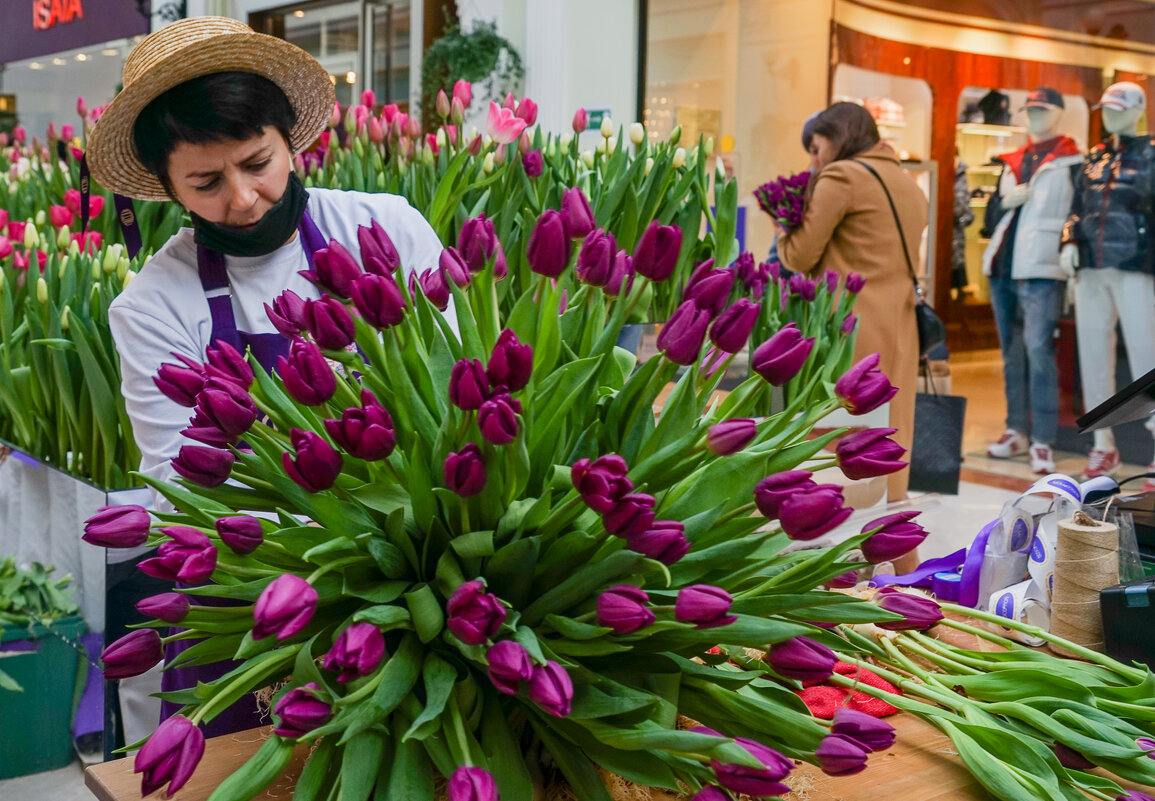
[1135, 401]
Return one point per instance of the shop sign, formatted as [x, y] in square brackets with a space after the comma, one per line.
[596, 116]
[35, 28]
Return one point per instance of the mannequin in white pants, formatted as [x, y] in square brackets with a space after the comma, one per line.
[1106, 293]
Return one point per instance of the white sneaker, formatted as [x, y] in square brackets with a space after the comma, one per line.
[1042, 459]
[1011, 443]
[1102, 463]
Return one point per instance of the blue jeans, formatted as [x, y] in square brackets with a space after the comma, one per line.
[1026, 313]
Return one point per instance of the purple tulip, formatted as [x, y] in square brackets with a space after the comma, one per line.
[136, 652]
[731, 331]
[301, 711]
[509, 666]
[621, 276]
[710, 793]
[623, 608]
[704, 605]
[188, 555]
[831, 279]
[918, 611]
[757, 782]
[849, 323]
[329, 322]
[839, 755]
[533, 163]
[169, 756]
[803, 659]
[547, 251]
[595, 262]
[284, 607]
[869, 453]
[468, 385]
[378, 253]
[180, 384]
[1147, 744]
[632, 515]
[117, 527]
[465, 471]
[603, 482]
[774, 489]
[663, 540]
[863, 388]
[809, 515]
[226, 406]
[896, 536]
[308, 378]
[855, 283]
[434, 286]
[803, 287]
[730, 436]
[843, 580]
[682, 336]
[317, 464]
[203, 430]
[474, 615]
[287, 313]
[551, 689]
[455, 267]
[242, 533]
[171, 607]
[497, 418]
[334, 268]
[656, 254]
[366, 433]
[779, 358]
[477, 242]
[576, 214]
[357, 652]
[208, 467]
[869, 732]
[470, 783]
[1134, 795]
[743, 267]
[709, 288]
[511, 363]
[225, 362]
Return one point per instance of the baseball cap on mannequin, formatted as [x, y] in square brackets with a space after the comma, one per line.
[1123, 96]
[1044, 97]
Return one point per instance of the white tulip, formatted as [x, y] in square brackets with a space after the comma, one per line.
[607, 127]
[679, 157]
[637, 133]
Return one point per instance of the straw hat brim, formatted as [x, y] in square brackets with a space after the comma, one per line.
[111, 156]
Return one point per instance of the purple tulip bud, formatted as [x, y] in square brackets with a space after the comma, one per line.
[473, 615]
[682, 336]
[779, 358]
[621, 276]
[709, 288]
[434, 286]
[743, 267]
[710, 793]
[551, 689]
[576, 214]
[603, 482]
[497, 418]
[548, 249]
[803, 659]
[918, 611]
[117, 527]
[366, 433]
[774, 489]
[317, 464]
[455, 267]
[511, 363]
[180, 384]
[357, 652]
[533, 163]
[855, 283]
[656, 254]
[863, 388]
[704, 605]
[632, 515]
[242, 533]
[301, 711]
[1134, 795]
[226, 406]
[595, 262]
[623, 608]
[471, 784]
[171, 607]
[804, 287]
[465, 471]
[308, 378]
[730, 436]
[839, 755]
[477, 242]
[757, 782]
[809, 515]
[849, 323]
[134, 653]
[869, 453]
[334, 268]
[500, 267]
[378, 253]
[284, 607]
[204, 430]
[896, 536]
[287, 313]
[468, 385]
[731, 331]
[844, 580]
[869, 732]
[378, 300]
[188, 555]
[329, 322]
[1070, 758]
[208, 467]
[223, 361]
[664, 540]
[1147, 744]
[509, 665]
[169, 756]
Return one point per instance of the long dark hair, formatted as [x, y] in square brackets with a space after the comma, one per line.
[849, 126]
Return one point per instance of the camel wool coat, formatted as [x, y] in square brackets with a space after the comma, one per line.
[848, 227]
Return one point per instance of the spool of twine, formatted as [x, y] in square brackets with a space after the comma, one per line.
[1086, 561]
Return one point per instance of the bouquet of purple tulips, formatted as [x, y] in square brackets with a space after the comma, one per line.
[784, 198]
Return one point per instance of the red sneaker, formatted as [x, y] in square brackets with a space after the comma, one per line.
[1102, 463]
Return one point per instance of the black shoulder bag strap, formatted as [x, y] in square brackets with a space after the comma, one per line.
[901, 236]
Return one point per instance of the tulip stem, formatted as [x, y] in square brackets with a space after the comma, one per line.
[365, 690]
[949, 700]
[334, 565]
[802, 565]
[928, 648]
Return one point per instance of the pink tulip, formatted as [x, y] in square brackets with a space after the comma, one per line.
[581, 120]
[5, 247]
[368, 99]
[463, 91]
[503, 124]
[59, 216]
[81, 107]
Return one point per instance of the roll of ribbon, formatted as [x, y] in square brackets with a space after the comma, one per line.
[945, 586]
[1086, 561]
[1023, 602]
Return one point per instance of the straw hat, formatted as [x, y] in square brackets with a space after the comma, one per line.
[188, 49]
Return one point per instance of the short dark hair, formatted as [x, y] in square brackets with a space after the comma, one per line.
[849, 126]
[209, 108]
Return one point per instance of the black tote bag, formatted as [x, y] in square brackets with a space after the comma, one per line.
[936, 453]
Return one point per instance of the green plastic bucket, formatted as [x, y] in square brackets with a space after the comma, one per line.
[36, 724]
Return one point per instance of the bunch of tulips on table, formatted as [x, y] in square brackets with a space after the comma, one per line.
[784, 198]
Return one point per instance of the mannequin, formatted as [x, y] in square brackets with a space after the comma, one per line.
[1027, 283]
[1107, 245]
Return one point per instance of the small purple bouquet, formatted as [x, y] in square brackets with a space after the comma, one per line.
[783, 199]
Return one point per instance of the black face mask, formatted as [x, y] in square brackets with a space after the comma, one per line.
[269, 233]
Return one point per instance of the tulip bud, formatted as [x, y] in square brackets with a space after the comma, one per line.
[378, 299]
[730, 436]
[334, 268]
[731, 331]
[869, 453]
[31, 237]
[357, 652]
[497, 419]
[607, 127]
[710, 793]
[171, 607]
[587, 157]
[840, 756]
[577, 214]
[317, 464]
[622, 275]
[918, 611]
[301, 710]
[434, 285]
[870, 733]
[133, 654]
[41, 290]
[623, 608]
[509, 666]
[533, 163]
[366, 433]
[441, 104]
[455, 267]
[596, 258]
[63, 236]
[471, 784]
[242, 533]
[284, 607]
[335, 117]
[473, 615]
[465, 471]
[552, 689]
[122, 270]
[65, 316]
[511, 363]
[188, 555]
[180, 384]
[224, 362]
[487, 164]
[682, 336]
[468, 385]
[756, 782]
[679, 159]
[863, 388]
[329, 322]
[855, 283]
[601, 483]
[849, 323]
[809, 515]
[287, 313]
[772, 490]
[169, 756]
[548, 248]
[637, 133]
[664, 541]
[463, 92]
[208, 467]
[657, 252]
[308, 378]
[675, 137]
[117, 527]
[581, 120]
[704, 605]
[630, 516]
[803, 659]
[779, 358]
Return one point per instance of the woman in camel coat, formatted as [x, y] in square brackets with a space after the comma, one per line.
[848, 227]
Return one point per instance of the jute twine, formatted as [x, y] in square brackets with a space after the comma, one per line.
[1086, 561]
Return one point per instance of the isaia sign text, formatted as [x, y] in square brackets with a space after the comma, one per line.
[47, 13]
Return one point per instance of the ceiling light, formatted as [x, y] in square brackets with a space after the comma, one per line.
[298, 13]
[82, 56]
[59, 61]
[35, 65]
[110, 51]
[350, 77]
[333, 79]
